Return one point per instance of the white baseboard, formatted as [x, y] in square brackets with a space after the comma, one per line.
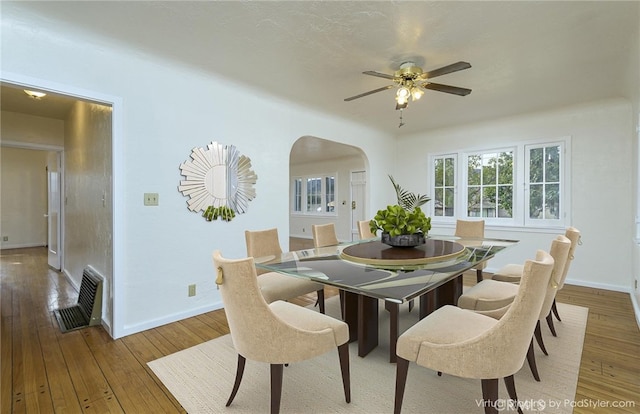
[133, 329]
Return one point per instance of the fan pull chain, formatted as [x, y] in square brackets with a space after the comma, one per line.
[401, 123]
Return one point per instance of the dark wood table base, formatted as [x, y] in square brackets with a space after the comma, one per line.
[361, 314]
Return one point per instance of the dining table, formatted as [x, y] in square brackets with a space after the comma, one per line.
[369, 272]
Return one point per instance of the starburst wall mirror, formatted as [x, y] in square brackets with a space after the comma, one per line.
[218, 181]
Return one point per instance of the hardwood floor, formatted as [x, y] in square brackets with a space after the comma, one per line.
[85, 371]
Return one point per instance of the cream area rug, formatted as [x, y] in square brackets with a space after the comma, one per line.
[201, 377]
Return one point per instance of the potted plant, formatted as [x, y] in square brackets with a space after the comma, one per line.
[403, 224]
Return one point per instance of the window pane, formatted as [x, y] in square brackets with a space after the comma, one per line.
[535, 201]
[505, 201]
[489, 164]
[449, 202]
[297, 194]
[438, 202]
[552, 201]
[535, 165]
[439, 172]
[552, 164]
[489, 202]
[473, 202]
[330, 194]
[505, 168]
[449, 175]
[474, 169]
[314, 194]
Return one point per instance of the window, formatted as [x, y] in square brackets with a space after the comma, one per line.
[544, 167]
[314, 194]
[490, 184]
[444, 186]
[524, 185]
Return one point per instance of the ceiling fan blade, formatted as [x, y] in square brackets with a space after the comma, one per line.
[384, 88]
[378, 74]
[446, 88]
[454, 67]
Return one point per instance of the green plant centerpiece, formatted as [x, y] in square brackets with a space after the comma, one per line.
[403, 224]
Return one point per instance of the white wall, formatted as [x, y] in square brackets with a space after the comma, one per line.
[300, 225]
[23, 197]
[87, 196]
[33, 130]
[167, 110]
[602, 196]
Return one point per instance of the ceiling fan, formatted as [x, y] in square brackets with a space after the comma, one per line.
[412, 81]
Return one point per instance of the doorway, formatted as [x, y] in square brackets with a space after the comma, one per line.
[91, 127]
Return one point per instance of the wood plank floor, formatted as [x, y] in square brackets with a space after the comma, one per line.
[85, 371]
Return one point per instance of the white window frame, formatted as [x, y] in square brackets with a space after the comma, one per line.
[304, 196]
[432, 203]
[520, 215]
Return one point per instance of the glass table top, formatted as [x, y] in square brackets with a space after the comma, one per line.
[373, 269]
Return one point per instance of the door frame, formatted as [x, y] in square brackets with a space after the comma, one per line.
[115, 326]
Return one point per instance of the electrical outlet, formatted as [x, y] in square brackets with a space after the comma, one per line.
[5, 238]
[151, 199]
[192, 290]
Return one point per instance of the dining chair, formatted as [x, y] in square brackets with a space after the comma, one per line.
[364, 230]
[278, 333]
[559, 251]
[324, 235]
[472, 229]
[273, 285]
[512, 272]
[467, 344]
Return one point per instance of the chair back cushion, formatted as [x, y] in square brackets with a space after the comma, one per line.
[262, 243]
[324, 235]
[364, 230]
[472, 229]
[560, 247]
[572, 234]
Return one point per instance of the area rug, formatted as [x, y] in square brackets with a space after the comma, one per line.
[201, 377]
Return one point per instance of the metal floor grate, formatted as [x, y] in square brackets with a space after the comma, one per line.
[71, 318]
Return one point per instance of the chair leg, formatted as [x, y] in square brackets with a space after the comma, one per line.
[341, 294]
[531, 359]
[550, 324]
[276, 387]
[402, 368]
[511, 389]
[555, 311]
[320, 293]
[236, 384]
[343, 353]
[479, 276]
[490, 395]
[538, 334]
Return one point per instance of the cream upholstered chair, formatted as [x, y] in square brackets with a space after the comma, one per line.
[467, 344]
[273, 285]
[278, 333]
[472, 229]
[512, 272]
[324, 235]
[559, 250]
[364, 231]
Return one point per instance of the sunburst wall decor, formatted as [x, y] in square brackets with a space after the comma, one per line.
[218, 181]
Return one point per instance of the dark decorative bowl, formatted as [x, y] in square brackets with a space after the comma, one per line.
[403, 240]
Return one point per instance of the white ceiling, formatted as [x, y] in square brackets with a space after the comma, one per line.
[525, 56]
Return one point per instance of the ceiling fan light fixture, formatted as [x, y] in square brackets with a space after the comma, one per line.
[34, 94]
[402, 95]
[416, 93]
